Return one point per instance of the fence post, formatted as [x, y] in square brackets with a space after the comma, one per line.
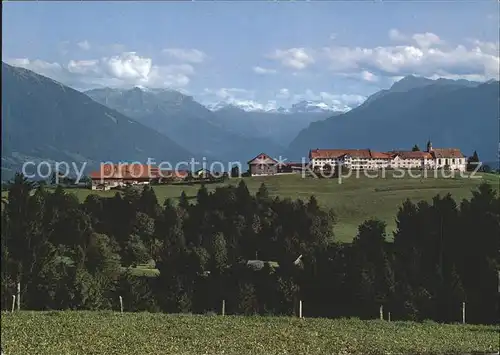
[121, 304]
[463, 312]
[18, 297]
[300, 308]
[13, 303]
[223, 307]
[389, 316]
[381, 312]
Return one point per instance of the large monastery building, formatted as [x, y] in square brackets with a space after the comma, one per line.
[366, 159]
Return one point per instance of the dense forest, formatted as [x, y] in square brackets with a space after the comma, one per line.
[260, 254]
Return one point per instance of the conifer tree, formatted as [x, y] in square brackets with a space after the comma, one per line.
[202, 196]
[473, 162]
[219, 253]
[148, 202]
[262, 194]
[19, 235]
[184, 201]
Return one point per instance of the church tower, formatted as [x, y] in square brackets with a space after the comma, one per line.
[429, 146]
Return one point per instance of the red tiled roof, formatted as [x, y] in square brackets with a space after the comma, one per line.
[132, 172]
[447, 153]
[337, 153]
[380, 155]
[367, 154]
[331, 153]
[261, 158]
[413, 155]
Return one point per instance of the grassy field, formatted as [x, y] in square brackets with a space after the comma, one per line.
[107, 333]
[354, 200]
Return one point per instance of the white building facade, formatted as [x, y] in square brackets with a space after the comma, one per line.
[366, 159]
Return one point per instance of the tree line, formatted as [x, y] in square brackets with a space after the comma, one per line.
[260, 254]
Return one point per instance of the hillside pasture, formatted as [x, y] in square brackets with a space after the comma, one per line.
[108, 333]
[353, 199]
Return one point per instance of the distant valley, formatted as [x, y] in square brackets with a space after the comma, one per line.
[279, 127]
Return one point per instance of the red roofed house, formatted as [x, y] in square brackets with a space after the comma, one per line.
[351, 158]
[447, 157]
[115, 175]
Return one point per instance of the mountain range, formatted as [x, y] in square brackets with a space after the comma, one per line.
[227, 132]
[45, 120]
[451, 113]
[303, 106]
[183, 120]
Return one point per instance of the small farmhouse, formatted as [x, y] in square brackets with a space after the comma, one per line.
[263, 164]
[117, 175]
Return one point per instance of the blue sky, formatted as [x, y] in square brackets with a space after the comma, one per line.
[267, 53]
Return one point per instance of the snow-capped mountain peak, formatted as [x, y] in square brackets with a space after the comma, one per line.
[245, 105]
[311, 106]
[252, 106]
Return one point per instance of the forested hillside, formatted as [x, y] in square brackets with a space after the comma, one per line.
[258, 253]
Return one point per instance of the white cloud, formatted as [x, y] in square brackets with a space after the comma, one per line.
[296, 58]
[85, 45]
[364, 75]
[19, 62]
[186, 55]
[426, 40]
[125, 70]
[368, 76]
[263, 71]
[427, 56]
[471, 77]
[485, 47]
[424, 54]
